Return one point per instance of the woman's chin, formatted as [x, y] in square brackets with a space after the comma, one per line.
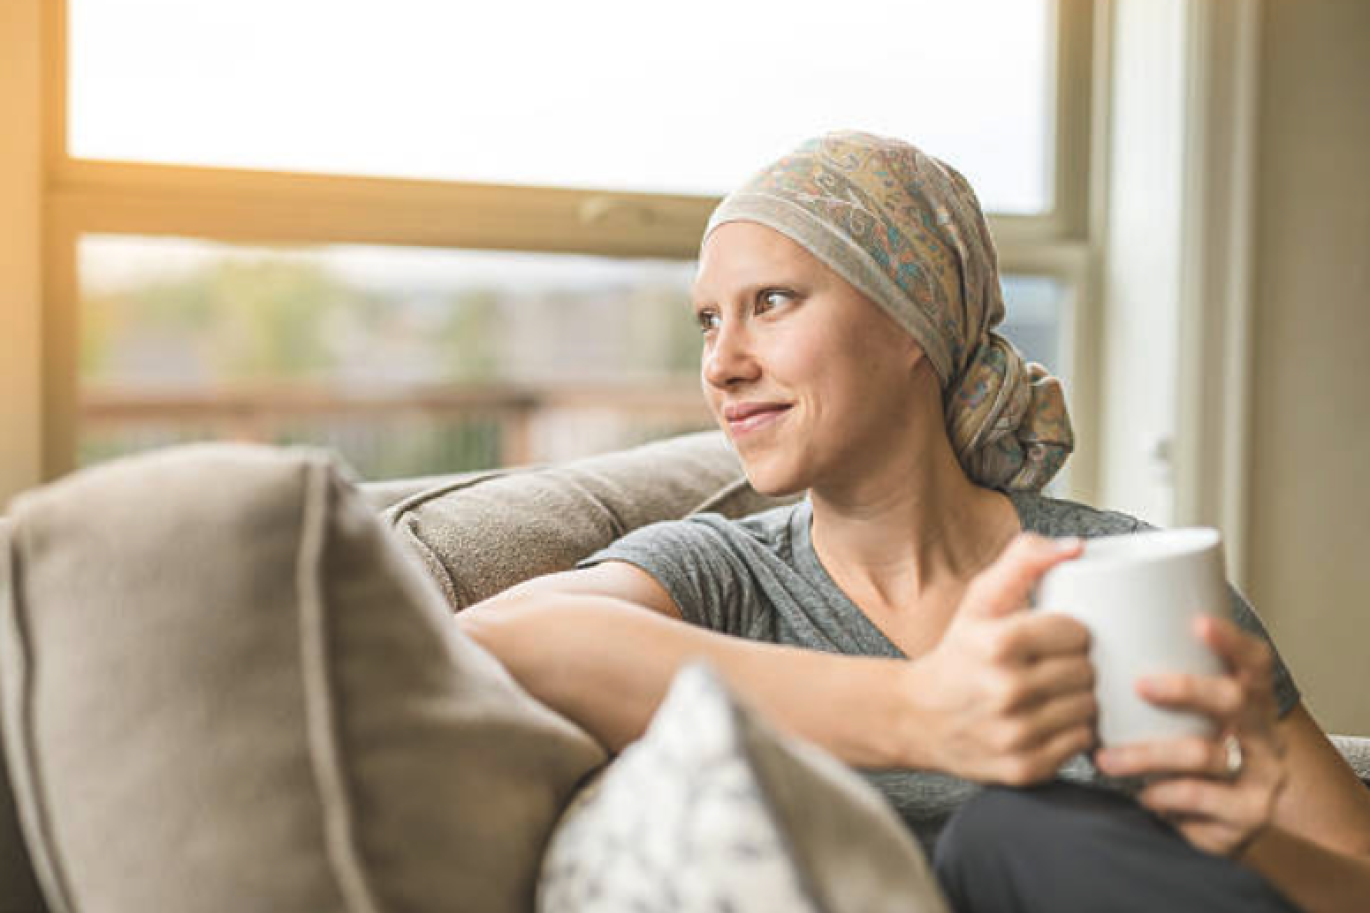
[772, 482]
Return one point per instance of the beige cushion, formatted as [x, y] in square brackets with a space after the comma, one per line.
[479, 536]
[714, 810]
[19, 891]
[226, 687]
[389, 492]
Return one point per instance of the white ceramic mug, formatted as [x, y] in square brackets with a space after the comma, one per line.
[1139, 595]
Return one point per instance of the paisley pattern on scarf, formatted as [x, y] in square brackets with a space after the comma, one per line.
[907, 231]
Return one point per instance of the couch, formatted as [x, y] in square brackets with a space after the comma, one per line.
[228, 681]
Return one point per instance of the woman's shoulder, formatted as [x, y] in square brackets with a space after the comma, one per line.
[703, 539]
[1049, 516]
[770, 528]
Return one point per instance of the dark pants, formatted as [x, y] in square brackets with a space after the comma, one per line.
[1062, 848]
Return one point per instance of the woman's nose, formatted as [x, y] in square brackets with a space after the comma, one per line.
[728, 358]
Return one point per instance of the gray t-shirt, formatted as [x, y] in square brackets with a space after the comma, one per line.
[760, 578]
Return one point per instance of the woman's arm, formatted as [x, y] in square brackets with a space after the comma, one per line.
[1005, 697]
[1317, 849]
[606, 664]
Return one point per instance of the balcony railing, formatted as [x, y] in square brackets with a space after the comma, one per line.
[395, 433]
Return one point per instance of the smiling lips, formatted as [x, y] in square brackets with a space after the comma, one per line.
[744, 418]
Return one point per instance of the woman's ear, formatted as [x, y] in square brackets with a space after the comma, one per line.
[922, 373]
[914, 355]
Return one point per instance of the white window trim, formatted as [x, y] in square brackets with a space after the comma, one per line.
[1180, 461]
[1213, 422]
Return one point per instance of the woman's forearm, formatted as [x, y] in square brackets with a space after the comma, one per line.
[606, 664]
[1315, 878]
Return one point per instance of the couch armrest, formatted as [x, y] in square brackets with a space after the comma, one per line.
[1356, 751]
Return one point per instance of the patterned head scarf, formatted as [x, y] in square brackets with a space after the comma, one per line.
[907, 231]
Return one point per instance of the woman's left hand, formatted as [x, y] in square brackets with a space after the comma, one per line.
[1191, 780]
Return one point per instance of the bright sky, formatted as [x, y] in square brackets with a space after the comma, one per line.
[622, 94]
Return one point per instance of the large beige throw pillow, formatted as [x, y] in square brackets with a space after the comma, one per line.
[481, 535]
[19, 891]
[226, 687]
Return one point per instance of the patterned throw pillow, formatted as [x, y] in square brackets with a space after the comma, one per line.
[714, 810]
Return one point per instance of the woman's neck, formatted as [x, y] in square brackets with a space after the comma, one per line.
[916, 536]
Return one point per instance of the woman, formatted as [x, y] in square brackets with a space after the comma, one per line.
[848, 296]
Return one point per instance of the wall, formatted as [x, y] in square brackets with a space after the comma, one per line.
[20, 265]
[1309, 532]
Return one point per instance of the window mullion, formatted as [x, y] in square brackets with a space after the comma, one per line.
[283, 208]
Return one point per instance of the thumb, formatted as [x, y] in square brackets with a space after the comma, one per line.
[1003, 587]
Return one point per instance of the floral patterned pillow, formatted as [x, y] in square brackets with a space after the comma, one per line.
[715, 810]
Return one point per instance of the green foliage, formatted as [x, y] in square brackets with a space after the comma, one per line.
[470, 335]
[272, 318]
[236, 319]
[282, 319]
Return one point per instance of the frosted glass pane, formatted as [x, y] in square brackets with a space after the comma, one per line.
[598, 93]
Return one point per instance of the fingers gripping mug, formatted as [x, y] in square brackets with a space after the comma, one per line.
[1138, 595]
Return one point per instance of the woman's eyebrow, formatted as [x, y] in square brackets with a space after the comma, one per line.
[745, 293]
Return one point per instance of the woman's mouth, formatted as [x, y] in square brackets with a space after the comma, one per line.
[746, 418]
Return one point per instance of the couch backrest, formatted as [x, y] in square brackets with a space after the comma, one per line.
[482, 533]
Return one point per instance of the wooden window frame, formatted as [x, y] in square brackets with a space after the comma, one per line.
[266, 207]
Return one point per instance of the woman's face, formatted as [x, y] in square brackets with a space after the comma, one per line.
[810, 380]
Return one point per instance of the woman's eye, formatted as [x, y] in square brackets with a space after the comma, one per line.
[773, 298]
[708, 320]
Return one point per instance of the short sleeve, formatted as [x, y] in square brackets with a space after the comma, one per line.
[698, 565]
[1286, 692]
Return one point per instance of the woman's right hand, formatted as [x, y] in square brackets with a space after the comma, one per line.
[1007, 695]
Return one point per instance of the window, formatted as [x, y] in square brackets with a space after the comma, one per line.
[407, 361]
[387, 228]
[607, 94]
